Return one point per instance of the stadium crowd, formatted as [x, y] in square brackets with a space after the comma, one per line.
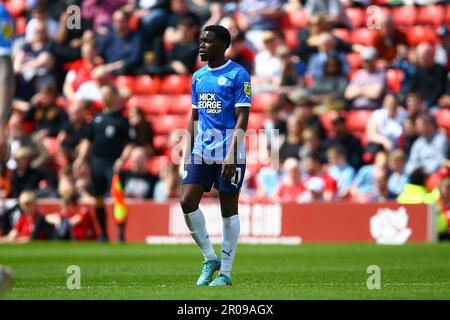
[363, 112]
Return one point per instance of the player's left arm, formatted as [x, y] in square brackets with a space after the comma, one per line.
[6, 95]
[242, 91]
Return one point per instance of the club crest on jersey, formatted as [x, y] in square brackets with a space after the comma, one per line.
[208, 101]
[247, 88]
[222, 81]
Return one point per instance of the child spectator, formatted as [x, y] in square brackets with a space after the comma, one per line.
[340, 170]
[72, 222]
[290, 188]
[398, 177]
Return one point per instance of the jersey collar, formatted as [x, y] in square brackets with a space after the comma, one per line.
[219, 67]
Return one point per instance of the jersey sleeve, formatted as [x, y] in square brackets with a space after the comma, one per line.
[242, 90]
[194, 92]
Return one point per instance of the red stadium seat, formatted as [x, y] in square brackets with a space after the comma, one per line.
[256, 121]
[261, 102]
[357, 16]
[432, 14]
[168, 123]
[354, 60]
[175, 84]
[151, 104]
[447, 14]
[160, 142]
[156, 163]
[180, 104]
[20, 26]
[146, 85]
[290, 36]
[442, 117]
[297, 19]
[356, 120]
[419, 34]
[342, 34]
[394, 79]
[16, 7]
[363, 36]
[327, 119]
[125, 82]
[404, 15]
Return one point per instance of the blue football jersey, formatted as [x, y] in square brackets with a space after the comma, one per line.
[6, 31]
[216, 92]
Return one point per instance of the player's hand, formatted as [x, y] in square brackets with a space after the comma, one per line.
[228, 168]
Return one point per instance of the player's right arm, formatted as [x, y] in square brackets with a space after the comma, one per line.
[6, 95]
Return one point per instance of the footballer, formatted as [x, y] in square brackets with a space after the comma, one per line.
[215, 154]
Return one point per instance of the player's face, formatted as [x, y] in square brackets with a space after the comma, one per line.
[210, 46]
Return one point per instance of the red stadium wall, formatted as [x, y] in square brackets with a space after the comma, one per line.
[388, 223]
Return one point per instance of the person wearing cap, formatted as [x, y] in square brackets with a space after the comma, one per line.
[367, 87]
[442, 48]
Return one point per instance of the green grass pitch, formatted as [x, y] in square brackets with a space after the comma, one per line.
[307, 271]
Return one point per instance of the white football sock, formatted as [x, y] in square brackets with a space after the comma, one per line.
[196, 224]
[231, 229]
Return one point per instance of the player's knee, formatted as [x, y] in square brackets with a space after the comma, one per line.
[187, 204]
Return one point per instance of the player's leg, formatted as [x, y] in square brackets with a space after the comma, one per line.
[99, 187]
[230, 231]
[191, 194]
[6, 94]
[229, 199]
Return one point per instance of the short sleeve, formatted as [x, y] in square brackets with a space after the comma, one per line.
[194, 92]
[242, 89]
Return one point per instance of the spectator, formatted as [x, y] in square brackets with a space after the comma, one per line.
[352, 145]
[259, 16]
[74, 131]
[141, 130]
[239, 52]
[81, 70]
[33, 63]
[178, 9]
[182, 57]
[326, 44]
[304, 108]
[318, 184]
[332, 10]
[415, 190]
[291, 145]
[384, 127]
[409, 135]
[24, 177]
[290, 188]
[381, 192]
[44, 115]
[39, 15]
[443, 207]
[267, 181]
[268, 65]
[405, 61]
[414, 104]
[312, 143]
[430, 149]
[430, 78]
[39, 156]
[364, 182]
[442, 48]
[340, 170]
[368, 85]
[398, 177]
[274, 120]
[120, 47]
[72, 222]
[444, 101]
[328, 90]
[25, 223]
[111, 144]
[137, 182]
[168, 185]
[388, 40]
[99, 13]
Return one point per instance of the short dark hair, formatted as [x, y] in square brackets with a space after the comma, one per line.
[221, 32]
[417, 177]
